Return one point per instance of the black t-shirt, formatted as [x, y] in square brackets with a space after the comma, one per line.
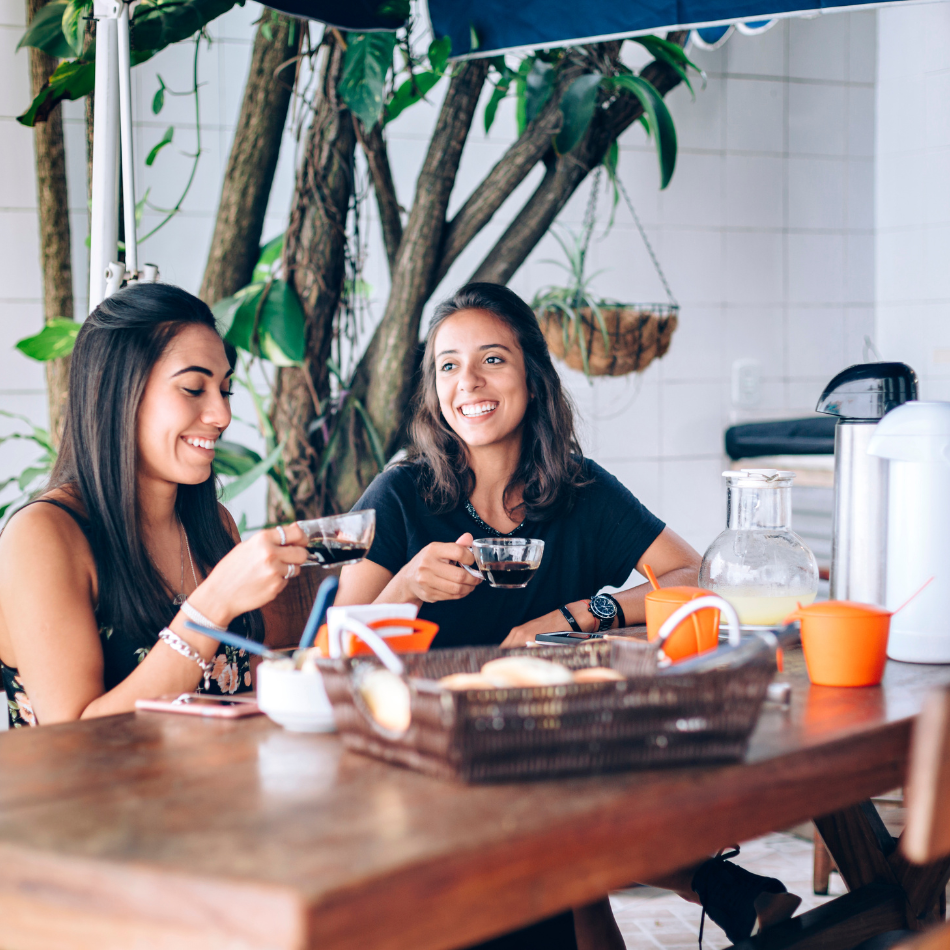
[595, 544]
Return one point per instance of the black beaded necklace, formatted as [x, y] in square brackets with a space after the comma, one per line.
[494, 532]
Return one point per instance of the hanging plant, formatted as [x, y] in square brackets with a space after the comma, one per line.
[595, 336]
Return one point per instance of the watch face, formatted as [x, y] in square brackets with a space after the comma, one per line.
[603, 607]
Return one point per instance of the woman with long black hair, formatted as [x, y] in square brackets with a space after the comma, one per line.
[99, 574]
[494, 453]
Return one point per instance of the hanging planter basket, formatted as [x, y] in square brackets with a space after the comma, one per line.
[600, 337]
[636, 335]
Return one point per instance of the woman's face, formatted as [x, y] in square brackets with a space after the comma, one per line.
[185, 408]
[480, 378]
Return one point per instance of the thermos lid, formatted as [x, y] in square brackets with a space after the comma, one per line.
[914, 432]
[868, 391]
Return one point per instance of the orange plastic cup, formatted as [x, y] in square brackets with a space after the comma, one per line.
[845, 643]
[696, 634]
[419, 641]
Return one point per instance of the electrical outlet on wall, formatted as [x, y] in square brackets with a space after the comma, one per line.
[746, 384]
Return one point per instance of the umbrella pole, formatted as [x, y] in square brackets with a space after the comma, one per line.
[125, 132]
[104, 227]
[113, 126]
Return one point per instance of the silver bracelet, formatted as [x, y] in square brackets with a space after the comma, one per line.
[195, 615]
[180, 646]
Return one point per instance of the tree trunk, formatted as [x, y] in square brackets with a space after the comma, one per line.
[53, 206]
[253, 161]
[383, 380]
[314, 255]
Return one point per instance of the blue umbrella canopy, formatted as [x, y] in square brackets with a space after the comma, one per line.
[490, 27]
[359, 16]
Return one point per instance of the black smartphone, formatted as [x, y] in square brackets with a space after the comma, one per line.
[567, 637]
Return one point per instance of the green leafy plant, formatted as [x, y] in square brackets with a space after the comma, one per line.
[56, 339]
[570, 300]
[265, 318]
[369, 62]
[33, 476]
[155, 24]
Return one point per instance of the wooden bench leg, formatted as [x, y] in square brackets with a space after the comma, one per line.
[866, 853]
[838, 925]
[824, 865]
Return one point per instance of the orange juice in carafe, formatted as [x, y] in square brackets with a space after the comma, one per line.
[758, 563]
[762, 609]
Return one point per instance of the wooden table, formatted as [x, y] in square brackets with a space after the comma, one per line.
[157, 830]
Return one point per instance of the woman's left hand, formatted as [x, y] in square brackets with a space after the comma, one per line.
[553, 622]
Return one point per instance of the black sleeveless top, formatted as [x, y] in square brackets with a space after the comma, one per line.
[122, 653]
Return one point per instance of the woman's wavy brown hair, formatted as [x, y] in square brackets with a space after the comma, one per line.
[551, 466]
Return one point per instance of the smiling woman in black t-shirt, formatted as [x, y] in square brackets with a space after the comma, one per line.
[494, 453]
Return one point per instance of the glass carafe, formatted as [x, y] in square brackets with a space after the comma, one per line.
[758, 563]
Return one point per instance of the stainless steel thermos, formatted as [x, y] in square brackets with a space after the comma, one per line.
[860, 397]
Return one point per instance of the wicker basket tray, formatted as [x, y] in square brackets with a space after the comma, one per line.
[481, 735]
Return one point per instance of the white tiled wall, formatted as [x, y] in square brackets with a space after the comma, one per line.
[912, 195]
[766, 234]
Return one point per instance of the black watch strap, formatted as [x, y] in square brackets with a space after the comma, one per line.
[569, 617]
[621, 619]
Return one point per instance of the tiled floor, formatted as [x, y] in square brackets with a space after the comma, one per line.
[651, 919]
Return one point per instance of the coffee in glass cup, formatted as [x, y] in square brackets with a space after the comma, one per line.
[508, 563]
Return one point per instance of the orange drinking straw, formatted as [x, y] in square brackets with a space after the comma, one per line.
[919, 590]
[651, 577]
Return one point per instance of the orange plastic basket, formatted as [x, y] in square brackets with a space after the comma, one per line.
[419, 641]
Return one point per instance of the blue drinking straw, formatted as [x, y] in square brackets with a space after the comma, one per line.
[234, 640]
[323, 600]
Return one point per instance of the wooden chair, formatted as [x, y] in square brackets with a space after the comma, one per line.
[927, 834]
[926, 837]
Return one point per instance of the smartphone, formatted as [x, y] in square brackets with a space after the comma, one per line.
[567, 636]
[197, 704]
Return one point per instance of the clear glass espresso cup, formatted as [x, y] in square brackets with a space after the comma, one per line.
[508, 563]
[339, 539]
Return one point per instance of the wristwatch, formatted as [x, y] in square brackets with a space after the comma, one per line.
[605, 608]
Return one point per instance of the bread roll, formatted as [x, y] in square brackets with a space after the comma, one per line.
[521, 671]
[463, 681]
[387, 697]
[597, 674]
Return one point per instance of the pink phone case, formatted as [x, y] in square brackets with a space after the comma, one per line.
[197, 704]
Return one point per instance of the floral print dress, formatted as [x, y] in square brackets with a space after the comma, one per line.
[122, 652]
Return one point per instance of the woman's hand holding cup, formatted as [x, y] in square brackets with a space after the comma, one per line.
[252, 574]
[434, 573]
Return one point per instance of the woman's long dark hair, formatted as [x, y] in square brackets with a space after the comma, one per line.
[115, 351]
[551, 467]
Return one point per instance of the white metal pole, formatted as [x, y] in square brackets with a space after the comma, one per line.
[125, 130]
[104, 226]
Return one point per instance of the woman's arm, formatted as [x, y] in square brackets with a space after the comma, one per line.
[432, 575]
[673, 561]
[47, 601]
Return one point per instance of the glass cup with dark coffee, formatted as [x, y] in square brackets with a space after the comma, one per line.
[339, 539]
[506, 562]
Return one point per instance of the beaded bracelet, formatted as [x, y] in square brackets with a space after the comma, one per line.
[195, 615]
[180, 646]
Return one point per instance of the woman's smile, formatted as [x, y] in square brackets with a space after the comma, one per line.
[478, 410]
[204, 444]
